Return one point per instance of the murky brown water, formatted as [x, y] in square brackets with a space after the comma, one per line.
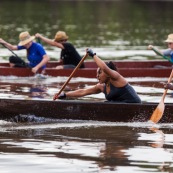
[69, 146]
[115, 30]
[149, 89]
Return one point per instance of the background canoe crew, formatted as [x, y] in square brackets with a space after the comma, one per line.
[69, 55]
[167, 53]
[36, 54]
[111, 83]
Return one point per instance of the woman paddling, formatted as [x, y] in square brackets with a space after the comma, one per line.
[111, 83]
[36, 54]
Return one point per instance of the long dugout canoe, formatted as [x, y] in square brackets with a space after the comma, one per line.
[126, 68]
[82, 110]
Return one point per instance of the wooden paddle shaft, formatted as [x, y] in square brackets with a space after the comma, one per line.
[159, 53]
[171, 75]
[169, 80]
[156, 51]
[72, 74]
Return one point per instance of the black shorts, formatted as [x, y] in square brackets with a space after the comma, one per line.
[17, 61]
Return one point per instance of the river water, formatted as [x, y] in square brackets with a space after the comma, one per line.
[120, 29]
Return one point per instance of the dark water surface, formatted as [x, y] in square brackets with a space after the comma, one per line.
[74, 146]
[120, 29]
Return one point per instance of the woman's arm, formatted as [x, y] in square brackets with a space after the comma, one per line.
[49, 41]
[101, 64]
[157, 51]
[81, 92]
[8, 45]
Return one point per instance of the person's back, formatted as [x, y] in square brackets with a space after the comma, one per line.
[125, 94]
[69, 55]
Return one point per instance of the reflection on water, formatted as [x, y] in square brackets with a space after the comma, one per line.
[149, 89]
[86, 146]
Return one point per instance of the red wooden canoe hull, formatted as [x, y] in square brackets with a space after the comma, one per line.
[119, 64]
[126, 68]
[89, 73]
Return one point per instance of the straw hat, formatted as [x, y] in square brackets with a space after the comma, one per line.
[60, 35]
[25, 38]
[169, 39]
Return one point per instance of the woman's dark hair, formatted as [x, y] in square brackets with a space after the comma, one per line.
[111, 65]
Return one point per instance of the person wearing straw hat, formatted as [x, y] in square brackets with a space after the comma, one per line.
[69, 56]
[167, 53]
[36, 54]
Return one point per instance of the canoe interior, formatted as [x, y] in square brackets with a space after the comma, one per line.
[82, 110]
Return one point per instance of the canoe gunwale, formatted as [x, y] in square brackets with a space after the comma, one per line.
[88, 72]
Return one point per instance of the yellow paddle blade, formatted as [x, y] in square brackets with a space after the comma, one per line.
[157, 114]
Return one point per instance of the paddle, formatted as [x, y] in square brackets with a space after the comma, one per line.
[38, 40]
[159, 53]
[9, 50]
[72, 74]
[158, 112]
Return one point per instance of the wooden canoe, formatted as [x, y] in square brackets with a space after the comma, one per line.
[83, 110]
[119, 64]
[149, 68]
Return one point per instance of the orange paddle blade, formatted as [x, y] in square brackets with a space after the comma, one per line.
[157, 114]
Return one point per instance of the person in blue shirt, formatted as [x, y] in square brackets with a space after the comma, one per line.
[167, 53]
[36, 55]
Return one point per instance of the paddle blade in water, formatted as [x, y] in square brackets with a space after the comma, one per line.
[157, 114]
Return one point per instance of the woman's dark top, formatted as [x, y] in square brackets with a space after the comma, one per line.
[70, 56]
[124, 94]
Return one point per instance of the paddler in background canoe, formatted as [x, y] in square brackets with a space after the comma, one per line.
[69, 56]
[36, 54]
[115, 87]
[167, 53]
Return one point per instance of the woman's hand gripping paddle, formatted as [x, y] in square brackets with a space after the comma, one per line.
[72, 74]
[158, 112]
